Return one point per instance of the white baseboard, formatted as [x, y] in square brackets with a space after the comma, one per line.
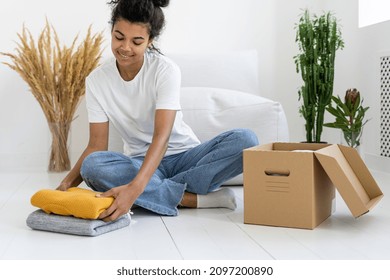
[377, 163]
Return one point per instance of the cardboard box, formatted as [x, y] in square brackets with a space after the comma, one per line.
[292, 184]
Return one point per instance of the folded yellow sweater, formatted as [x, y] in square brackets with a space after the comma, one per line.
[77, 202]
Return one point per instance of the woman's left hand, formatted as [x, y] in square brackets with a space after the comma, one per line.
[124, 198]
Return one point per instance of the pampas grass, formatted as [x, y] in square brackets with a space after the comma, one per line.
[56, 77]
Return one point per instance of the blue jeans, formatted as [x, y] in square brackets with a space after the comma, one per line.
[199, 170]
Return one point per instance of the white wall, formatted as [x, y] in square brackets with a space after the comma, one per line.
[373, 11]
[374, 43]
[192, 26]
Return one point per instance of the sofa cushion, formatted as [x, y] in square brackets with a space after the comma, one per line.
[211, 111]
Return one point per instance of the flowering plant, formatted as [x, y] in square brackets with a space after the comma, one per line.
[349, 116]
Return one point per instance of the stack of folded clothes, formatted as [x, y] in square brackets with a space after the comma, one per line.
[74, 211]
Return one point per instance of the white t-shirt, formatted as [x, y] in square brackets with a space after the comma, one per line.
[130, 105]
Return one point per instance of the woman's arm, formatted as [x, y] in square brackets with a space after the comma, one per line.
[163, 124]
[126, 195]
[98, 141]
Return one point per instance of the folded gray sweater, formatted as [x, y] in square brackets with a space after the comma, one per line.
[71, 225]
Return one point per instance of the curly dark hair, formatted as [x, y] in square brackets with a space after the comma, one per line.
[148, 12]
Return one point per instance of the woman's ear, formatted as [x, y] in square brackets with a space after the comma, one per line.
[150, 43]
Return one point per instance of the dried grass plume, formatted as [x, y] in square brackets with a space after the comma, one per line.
[56, 77]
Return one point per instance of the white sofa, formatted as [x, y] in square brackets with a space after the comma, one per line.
[221, 92]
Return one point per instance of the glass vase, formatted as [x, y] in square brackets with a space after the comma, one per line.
[59, 156]
[353, 139]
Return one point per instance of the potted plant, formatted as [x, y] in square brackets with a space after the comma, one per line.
[318, 40]
[349, 116]
[56, 77]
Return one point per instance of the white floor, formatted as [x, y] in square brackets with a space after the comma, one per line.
[194, 234]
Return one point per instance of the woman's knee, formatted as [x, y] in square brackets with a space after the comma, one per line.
[100, 162]
[91, 163]
[246, 137]
[104, 170]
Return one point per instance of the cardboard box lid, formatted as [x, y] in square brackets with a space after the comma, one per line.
[351, 177]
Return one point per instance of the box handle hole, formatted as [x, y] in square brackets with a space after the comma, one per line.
[280, 173]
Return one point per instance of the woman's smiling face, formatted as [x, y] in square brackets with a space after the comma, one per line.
[129, 41]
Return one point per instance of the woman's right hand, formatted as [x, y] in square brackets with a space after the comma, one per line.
[63, 186]
[98, 141]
